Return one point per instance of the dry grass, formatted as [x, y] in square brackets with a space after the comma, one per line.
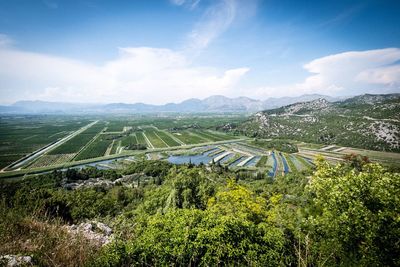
[47, 241]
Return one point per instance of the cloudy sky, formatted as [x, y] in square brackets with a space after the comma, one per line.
[163, 51]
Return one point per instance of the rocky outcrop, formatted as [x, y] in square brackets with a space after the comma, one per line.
[126, 180]
[97, 232]
[15, 260]
[262, 119]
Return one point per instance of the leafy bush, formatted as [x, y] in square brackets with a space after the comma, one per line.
[356, 220]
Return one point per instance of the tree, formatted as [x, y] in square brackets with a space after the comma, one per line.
[356, 219]
[232, 230]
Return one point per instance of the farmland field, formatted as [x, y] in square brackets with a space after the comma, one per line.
[156, 141]
[110, 136]
[188, 138]
[114, 147]
[140, 138]
[97, 148]
[48, 160]
[22, 135]
[213, 136]
[167, 139]
[129, 140]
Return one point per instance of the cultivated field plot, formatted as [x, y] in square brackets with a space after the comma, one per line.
[335, 154]
[129, 140]
[21, 135]
[133, 134]
[75, 144]
[168, 139]
[96, 148]
[386, 157]
[154, 139]
[49, 160]
[213, 136]
[140, 138]
[188, 137]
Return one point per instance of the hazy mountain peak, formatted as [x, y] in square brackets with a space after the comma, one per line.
[214, 103]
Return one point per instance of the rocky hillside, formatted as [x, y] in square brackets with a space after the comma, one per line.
[367, 121]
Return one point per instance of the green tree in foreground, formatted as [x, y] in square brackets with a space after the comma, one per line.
[232, 230]
[357, 215]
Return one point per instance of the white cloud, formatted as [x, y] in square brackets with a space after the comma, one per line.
[5, 40]
[353, 71]
[216, 19]
[349, 73]
[178, 2]
[388, 76]
[144, 74]
[191, 4]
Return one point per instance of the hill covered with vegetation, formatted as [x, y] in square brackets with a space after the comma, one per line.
[154, 213]
[367, 121]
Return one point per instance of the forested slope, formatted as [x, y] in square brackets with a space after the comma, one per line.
[161, 214]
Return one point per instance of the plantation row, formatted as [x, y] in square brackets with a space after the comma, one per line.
[129, 140]
[74, 144]
[48, 160]
[22, 135]
[213, 136]
[167, 139]
[154, 139]
[77, 142]
[95, 149]
[189, 138]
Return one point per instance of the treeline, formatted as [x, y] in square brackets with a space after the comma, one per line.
[276, 144]
[344, 215]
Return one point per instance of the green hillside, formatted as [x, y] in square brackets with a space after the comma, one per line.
[367, 121]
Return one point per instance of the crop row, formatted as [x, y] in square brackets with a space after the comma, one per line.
[298, 164]
[262, 161]
[232, 159]
[6, 160]
[129, 140]
[77, 142]
[116, 144]
[213, 136]
[140, 138]
[48, 160]
[154, 139]
[74, 144]
[96, 149]
[189, 138]
[167, 139]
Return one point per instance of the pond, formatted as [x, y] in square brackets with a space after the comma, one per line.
[272, 172]
[285, 164]
[195, 159]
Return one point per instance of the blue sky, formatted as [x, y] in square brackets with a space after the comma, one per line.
[169, 50]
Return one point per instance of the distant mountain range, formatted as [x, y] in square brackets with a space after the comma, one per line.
[212, 104]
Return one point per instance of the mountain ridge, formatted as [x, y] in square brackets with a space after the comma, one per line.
[211, 104]
[365, 121]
